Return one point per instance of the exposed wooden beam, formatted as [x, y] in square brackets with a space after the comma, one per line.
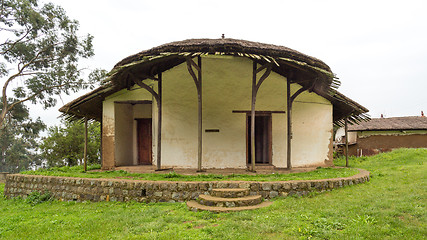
[290, 100]
[264, 76]
[158, 97]
[253, 101]
[133, 102]
[346, 140]
[198, 82]
[85, 147]
[262, 67]
[255, 87]
[200, 117]
[146, 87]
[257, 112]
[159, 122]
[298, 92]
[289, 124]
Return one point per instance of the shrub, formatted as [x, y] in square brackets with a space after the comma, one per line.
[36, 197]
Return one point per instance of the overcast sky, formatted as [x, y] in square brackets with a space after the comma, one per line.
[378, 49]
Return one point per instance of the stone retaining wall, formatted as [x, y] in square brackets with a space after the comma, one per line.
[3, 176]
[90, 189]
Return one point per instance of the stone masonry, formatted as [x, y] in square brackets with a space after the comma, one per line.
[90, 189]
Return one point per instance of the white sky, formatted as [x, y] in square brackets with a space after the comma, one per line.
[377, 48]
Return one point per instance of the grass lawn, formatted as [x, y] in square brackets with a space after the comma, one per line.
[77, 171]
[391, 206]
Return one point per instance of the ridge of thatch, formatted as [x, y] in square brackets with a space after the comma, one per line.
[392, 123]
[226, 46]
[307, 71]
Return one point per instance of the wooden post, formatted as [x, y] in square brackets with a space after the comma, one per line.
[254, 68]
[158, 98]
[200, 119]
[85, 147]
[100, 147]
[289, 123]
[290, 99]
[255, 87]
[198, 82]
[159, 122]
[346, 140]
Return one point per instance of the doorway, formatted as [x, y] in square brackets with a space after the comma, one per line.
[144, 140]
[263, 139]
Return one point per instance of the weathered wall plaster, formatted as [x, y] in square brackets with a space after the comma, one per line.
[119, 126]
[226, 86]
[123, 116]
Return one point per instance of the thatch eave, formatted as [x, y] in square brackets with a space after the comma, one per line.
[311, 73]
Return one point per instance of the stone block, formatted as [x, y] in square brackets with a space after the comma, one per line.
[244, 185]
[273, 194]
[158, 194]
[266, 186]
[255, 187]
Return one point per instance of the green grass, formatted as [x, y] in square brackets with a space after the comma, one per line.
[391, 206]
[77, 171]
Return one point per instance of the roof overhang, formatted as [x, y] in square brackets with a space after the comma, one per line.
[309, 72]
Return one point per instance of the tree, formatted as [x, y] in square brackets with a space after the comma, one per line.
[64, 145]
[39, 49]
[19, 144]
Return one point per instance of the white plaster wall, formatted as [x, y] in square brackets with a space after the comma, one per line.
[124, 134]
[108, 138]
[227, 87]
[312, 130]
[122, 126]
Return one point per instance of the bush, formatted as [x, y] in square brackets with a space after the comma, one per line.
[36, 197]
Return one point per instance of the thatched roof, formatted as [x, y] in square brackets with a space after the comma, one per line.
[227, 46]
[393, 123]
[307, 71]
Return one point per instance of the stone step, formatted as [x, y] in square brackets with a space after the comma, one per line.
[230, 192]
[213, 201]
[195, 206]
[264, 167]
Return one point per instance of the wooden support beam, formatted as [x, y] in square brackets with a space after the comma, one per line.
[198, 82]
[289, 123]
[262, 68]
[100, 146]
[264, 76]
[290, 100]
[85, 147]
[255, 87]
[346, 140]
[133, 102]
[158, 97]
[253, 101]
[200, 120]
[146, 87]
[159, 122]
[257, 112]
[298, 92]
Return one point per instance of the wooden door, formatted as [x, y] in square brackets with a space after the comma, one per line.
[263, 137]
[144, 138]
